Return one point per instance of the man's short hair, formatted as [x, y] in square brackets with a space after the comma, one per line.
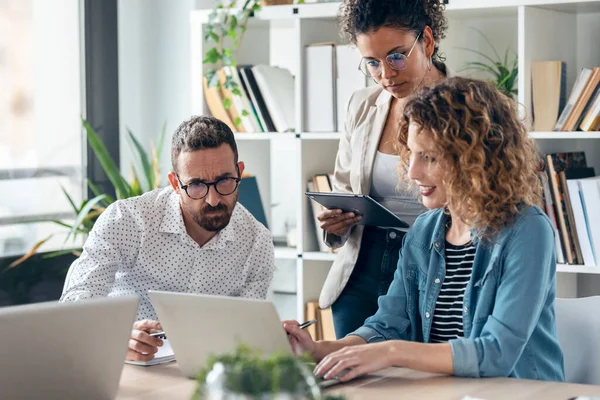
[201, 132]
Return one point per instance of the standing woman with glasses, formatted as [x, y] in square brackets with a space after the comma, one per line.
[398, 41]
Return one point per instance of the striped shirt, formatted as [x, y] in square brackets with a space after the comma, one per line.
[448, 314]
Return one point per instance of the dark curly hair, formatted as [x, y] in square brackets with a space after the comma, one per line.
[491, 166]
[358, 17]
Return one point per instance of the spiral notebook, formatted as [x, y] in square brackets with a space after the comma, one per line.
[164, 355]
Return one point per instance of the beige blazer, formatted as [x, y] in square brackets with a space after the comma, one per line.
[365, 119]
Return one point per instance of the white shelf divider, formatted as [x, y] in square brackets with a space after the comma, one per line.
[565, 135]
[577, 269]
[318, 256]
[286, 253]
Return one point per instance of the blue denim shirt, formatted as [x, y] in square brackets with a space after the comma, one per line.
[508, 315]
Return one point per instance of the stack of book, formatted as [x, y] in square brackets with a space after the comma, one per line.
[553, 110]
[572, 201]
[262, 99]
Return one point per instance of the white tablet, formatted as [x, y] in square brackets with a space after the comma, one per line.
[373, 213]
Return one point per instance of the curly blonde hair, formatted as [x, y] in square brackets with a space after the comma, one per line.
[491, 166]
[358, 17]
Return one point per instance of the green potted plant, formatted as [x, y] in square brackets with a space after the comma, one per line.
[89, 210]
[504, 72]
[246, 375]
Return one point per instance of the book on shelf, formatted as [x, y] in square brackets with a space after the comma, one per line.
[214, 101]
[256, 97]
[550, 211]
[324, 328]
[555, 163]
[240, 107]
[548, 87]
[574, 94]
[581, 104]
[277, 88]
[591, 121]
[249, 197]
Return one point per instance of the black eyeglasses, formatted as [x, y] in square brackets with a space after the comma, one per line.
[198, 189]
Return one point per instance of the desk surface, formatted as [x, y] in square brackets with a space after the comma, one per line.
[165, 381]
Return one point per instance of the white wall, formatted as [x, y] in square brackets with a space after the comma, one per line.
[154, 71]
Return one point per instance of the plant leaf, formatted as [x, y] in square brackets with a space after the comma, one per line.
[144, 160]
[236, 92]
[97, 192]
[245, 113]
[85, 210]
[61, 253]
[237, 121]
[479, 53]
[30, 253]
[489, 43]
[212, 56]
[227, 103]
[69, 199]
[212, 78]
[110, 168]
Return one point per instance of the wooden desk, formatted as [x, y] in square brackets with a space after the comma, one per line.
[165, 381]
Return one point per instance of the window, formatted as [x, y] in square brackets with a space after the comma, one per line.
[40, 126]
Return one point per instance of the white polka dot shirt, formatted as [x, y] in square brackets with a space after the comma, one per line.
[141, 244]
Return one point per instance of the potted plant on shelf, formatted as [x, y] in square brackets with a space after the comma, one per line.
[504, 72]
[246, 375]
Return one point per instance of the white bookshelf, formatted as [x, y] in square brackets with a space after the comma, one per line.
[283, 162]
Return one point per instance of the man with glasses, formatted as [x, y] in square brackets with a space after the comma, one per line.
[191, 237]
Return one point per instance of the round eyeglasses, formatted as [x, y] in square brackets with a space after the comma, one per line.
[396, 61]
[198, 189]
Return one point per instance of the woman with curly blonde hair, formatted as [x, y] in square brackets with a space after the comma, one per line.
[473, 293]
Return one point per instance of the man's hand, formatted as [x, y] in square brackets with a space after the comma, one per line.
[352, 361]
[337, 222]
[142, 346]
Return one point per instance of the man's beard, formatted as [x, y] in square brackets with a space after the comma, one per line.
[213, 219]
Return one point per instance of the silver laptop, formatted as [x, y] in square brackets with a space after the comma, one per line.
[198, 326]
[65, 351]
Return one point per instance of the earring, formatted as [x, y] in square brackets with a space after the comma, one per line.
[429, 64]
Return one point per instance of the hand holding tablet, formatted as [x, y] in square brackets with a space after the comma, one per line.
[372, 213]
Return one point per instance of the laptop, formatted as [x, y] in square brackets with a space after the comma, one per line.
[198, 326]
[65, 351]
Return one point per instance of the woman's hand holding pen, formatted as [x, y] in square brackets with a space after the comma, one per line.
[337, 222]
[142, 346]
[300, 340]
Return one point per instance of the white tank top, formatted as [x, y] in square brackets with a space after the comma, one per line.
[385, 188]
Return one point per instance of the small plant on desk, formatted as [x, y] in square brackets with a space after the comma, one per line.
[246, 375]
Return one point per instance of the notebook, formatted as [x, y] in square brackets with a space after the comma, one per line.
[164, 355]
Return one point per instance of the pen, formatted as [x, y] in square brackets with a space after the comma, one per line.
[159, 335]
[307, 323]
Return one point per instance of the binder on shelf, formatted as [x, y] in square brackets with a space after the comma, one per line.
[590, 191]
[277, 88]
[349, 79]
[249, 197]
[580, 223]
[320, 98]
[316, 209]
[548, 87]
